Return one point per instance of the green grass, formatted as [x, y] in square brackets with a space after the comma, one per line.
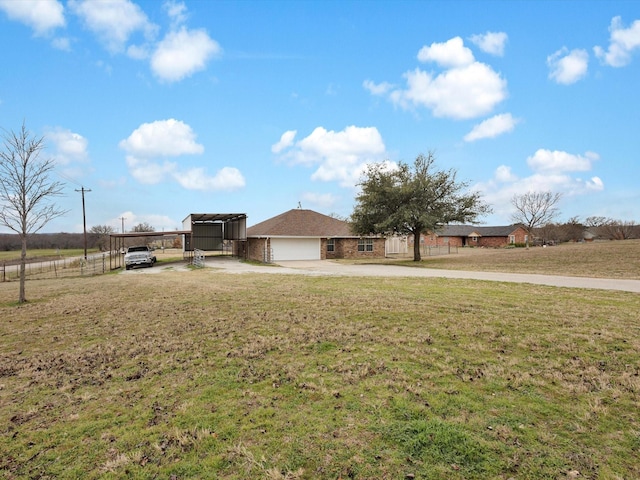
[200, 374]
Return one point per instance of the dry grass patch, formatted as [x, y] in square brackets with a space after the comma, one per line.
[614, 259]
[202, 374]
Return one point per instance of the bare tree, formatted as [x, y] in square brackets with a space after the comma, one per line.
[595, 221]
[619, 229]
[26, 190]
[100, 236]
[143, 227]
[535, 209]
[613, 229]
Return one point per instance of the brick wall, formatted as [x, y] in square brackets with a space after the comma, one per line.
[348, 248]
[493, 242]
[520, 234]
[255, 248]
[490, 242]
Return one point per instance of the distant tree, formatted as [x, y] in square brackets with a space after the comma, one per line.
[612, 229]
[534, 209]
[9, 242]
[143, 227]
[26, 190]
[571, 231]
[619, 229]
[100, 236]
[595, 221]
[549, 233]
[413, 199]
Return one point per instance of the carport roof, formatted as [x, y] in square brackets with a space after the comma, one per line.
[214, 217]
[150, 234]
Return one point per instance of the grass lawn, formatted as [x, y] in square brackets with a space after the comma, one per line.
[613, 259]
[201, 374]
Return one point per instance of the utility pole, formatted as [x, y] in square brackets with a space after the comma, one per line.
[123, 219]
[84, 221]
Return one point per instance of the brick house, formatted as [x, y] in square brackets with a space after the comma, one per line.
[301, 234]
[474, 236]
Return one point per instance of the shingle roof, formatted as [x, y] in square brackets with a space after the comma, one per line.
[301, 223]
[466, 230]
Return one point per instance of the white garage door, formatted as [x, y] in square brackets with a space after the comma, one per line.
[295, 249]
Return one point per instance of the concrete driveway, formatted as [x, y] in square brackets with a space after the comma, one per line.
[328, 268]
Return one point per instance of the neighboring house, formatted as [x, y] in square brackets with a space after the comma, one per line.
[307, 235]
[474, 236]
[589, 234]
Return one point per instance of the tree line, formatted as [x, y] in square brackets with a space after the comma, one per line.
[592, 228]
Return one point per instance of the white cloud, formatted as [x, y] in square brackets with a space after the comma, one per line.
[568, 67]
[492, 127]
[451, 53]
[138, 52]
[113, 21]
[622, 43]
[69, 147]
[147, 171]
[558, 161]
[42, 17]
[173, 138]
[319, 200]
[286, 140]
[595, 184]
[491, 42]
[464, 92]
[61, 43]
[465, 89]
[130, 219]
[339, 156]
[551, 171]
[177, 12]
[166, 138]
[504, 174]
[377, 88]
[182, 53]
[226, 179]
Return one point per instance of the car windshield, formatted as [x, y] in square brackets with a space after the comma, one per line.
[138, 249]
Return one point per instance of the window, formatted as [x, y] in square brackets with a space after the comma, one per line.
[365, 245]
[512, 239]
[331, 245]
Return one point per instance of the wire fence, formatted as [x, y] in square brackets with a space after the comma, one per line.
[433, 250]
[59, 268]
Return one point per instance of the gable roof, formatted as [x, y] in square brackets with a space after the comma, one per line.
[467, 230]
[301, 223]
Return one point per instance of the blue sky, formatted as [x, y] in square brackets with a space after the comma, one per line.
[162, 109]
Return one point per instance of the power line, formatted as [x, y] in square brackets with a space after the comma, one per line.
[68, 179]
